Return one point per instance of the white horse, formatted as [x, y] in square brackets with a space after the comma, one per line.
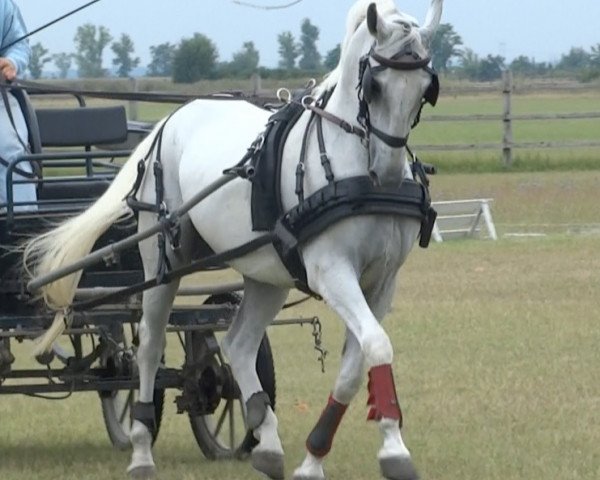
[352, 264]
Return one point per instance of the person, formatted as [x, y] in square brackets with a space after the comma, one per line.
[14, 135]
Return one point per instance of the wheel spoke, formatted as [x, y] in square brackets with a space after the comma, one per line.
[230, 405]
[221, 420]
[126, 406]
[243, 413]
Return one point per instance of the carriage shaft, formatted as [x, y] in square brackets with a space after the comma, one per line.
[91, 382]
[110, 250]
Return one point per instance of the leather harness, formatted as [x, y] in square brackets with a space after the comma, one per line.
[338, 200]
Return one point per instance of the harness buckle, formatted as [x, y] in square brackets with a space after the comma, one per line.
[162, 209]
[258, 143]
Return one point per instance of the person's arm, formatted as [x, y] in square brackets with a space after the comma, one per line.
[15, 59]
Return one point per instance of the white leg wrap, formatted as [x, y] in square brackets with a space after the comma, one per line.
[141, 440]
[311, 469]
[393, 445]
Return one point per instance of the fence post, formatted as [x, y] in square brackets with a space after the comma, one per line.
[507, 139]
[256, 83]
[133, 106]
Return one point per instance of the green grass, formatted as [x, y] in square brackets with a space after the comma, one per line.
[496, 362]
[496, 367]
[533, 159]
[546, 202]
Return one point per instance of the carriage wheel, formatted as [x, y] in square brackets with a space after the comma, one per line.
[117, 404]
[223, 433]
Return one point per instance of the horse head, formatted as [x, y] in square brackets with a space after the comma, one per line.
[388, 52]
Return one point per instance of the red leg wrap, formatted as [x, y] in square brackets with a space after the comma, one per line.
[319, 441]
[382, 395]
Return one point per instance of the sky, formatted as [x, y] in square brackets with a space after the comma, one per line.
[542, 29]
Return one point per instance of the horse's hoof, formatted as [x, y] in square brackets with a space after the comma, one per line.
[268, 462]
[302, 476]
[143, 472]
[398, 468]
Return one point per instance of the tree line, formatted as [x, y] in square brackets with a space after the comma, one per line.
[190, 60]
[197, 58]
[450, 56]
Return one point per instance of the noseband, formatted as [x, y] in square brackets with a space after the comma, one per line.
[369, 88]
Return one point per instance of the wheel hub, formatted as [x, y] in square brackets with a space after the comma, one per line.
[205, 385]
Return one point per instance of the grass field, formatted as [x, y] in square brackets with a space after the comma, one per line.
[441, 133]
[496, 361]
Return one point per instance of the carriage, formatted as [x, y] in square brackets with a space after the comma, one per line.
[75, 153]
[337, 201]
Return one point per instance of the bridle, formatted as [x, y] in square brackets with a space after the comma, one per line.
[368, 88]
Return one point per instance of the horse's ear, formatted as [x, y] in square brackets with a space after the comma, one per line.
[372, 19]
[432, 20]
[376, 24]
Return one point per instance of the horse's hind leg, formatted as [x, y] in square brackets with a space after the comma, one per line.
[259, 306]
[320, 439]
[156, 308]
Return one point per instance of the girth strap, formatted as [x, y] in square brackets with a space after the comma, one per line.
[343, 199]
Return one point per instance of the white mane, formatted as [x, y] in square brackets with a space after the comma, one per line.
[356, 16]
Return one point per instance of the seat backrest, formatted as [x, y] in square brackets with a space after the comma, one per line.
[83, 126]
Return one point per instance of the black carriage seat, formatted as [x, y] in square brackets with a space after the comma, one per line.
[83, 126]
[79, 127]
[65, 129]
[55, 134]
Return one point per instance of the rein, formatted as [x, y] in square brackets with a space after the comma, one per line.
[41, 88]
[43, 27]
[343, 124]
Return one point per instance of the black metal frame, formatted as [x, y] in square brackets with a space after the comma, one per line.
[21, 317]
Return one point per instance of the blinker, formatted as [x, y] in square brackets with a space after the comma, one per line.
[433, 91]
[371, 87]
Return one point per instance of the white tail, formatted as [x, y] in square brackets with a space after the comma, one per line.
[74, 239]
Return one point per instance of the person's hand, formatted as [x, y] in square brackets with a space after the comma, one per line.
[8, 71]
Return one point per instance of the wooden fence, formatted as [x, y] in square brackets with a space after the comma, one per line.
[507, 145]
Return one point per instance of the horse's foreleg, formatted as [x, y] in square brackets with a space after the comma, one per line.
[338, 284]
[394, 457]
[320, 439]
[259, 306]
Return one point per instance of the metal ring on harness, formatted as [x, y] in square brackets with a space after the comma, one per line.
[284, 95]
[307, 101]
